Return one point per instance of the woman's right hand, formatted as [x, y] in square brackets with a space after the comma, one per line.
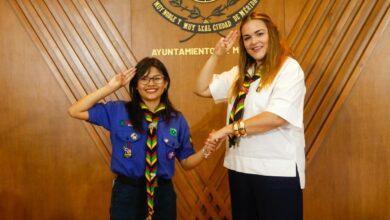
[206, 74]
[122, 79]
[226, 43]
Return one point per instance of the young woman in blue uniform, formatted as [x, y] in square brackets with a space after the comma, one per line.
[147, 134]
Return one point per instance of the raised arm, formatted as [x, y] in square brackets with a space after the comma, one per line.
[80, 108]
[206, 74]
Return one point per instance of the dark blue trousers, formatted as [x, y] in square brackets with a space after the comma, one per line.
[128, 201]
[265, 197]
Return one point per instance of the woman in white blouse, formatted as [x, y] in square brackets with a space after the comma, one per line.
[265, 95]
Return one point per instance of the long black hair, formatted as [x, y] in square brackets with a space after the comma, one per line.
[133, 106]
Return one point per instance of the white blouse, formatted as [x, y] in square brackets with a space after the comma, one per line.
[279, 151]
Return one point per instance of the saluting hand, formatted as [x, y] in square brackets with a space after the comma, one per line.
[122, 79]
[226, 43]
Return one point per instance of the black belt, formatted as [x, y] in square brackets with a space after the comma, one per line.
[141, 181]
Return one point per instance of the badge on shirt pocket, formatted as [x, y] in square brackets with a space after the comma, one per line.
[128, 139]
[124, 123]
[171, 155]
[173, 132]
[171, 145]
[127, 152]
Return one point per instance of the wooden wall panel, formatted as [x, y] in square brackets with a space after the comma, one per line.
[330, 42]
[85, 42]
[48, 169]
[349, 177]
[292, 10]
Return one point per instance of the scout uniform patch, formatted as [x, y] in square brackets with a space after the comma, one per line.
[171, 155]
[126, 152]
[125, 123]
[173, 131]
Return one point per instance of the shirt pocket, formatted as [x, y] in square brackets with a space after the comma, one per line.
[128, 139]
[128, 135]
[171, 145]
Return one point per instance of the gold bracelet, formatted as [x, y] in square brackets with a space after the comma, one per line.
[241, 128]
[235, 129]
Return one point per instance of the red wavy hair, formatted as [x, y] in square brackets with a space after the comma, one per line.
[276, 54]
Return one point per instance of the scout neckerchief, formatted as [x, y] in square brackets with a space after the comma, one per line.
[151, 155]
[237, 111]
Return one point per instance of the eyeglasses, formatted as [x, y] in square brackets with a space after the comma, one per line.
[155, 79]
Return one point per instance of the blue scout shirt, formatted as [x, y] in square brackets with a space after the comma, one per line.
[129, 146]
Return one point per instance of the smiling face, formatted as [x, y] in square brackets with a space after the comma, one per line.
[151, 86]
[255, 38]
